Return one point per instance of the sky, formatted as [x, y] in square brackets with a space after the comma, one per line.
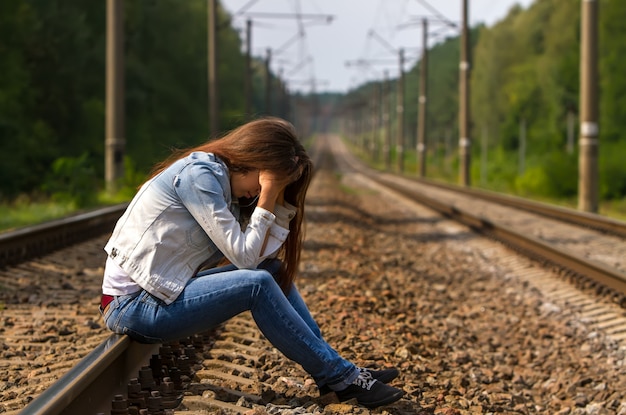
[338, 45]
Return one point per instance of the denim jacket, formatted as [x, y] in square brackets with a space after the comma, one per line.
[181, 218]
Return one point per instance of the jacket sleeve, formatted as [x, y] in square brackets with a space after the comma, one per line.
[204, 191]
[279, 229]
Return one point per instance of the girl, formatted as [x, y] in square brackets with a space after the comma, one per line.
[163, 280]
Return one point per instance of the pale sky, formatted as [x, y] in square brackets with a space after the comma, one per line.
[359, 43]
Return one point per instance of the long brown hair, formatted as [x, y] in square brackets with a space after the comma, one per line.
[266, 144]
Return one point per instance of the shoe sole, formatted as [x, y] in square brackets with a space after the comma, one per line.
[382, 402]
[390, 376]
[384, 379]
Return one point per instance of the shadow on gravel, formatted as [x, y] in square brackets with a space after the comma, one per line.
[359, 215]
[317, 275]
[440, 236]
[318, 246]
[376, 223]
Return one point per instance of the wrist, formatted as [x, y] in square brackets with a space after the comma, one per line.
[267, 203]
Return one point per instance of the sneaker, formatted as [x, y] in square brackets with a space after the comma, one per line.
[370, 392]
[384, 376]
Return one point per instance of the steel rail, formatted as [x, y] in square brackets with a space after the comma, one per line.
[590, 220]
[105, 372]
[89, 387]
[531, 246]
[32, 241]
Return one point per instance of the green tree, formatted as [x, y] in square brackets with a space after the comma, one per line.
[612, 50]
[47, 62]
[52, 60]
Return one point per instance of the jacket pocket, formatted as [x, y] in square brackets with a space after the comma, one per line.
[197, 238]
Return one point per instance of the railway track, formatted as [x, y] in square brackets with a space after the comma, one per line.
[586, 245]
[236, 369]
[587, 249]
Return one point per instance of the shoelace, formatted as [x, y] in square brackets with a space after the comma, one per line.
[365, 372]
[365, 380]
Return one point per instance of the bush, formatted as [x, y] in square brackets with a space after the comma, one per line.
[72, 180]
[554, 175]
[501, 170]
[612, 171]
[534, 182]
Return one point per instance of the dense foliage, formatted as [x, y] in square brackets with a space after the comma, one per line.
[52, 87]
[525, 84]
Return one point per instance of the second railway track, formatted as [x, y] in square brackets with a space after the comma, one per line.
[589, 245]
[474, 327]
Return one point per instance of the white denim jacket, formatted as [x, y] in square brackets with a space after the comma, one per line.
[181, 218]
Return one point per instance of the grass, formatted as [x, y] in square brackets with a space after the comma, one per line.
[28, 211]
[20, 213]
[615, 209]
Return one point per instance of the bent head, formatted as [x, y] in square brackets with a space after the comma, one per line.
[267, 144]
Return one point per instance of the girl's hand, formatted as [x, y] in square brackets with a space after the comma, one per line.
[272, 190]
[272, 193]
[272, 185]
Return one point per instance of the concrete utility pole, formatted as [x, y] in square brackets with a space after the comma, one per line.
[376, 121]
[282, 101]
[400, 97]
[248, 81]
[589, 130]
[422, 113]
[465, 143]
[421, 119]
[268, 82]
[400, 110]
[115, 142]
[283, 97]
[212, 48]
[387, 122]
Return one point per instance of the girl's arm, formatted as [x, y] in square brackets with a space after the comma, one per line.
[272, 193]
[201, 190]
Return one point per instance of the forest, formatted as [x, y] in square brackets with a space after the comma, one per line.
[524, 77]
[52, 90]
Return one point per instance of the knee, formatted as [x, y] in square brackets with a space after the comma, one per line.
[263, 278]
[264, 287]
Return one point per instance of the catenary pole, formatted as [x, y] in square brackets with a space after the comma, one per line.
[387, 122]
[465, 143]
[400, 114]
[268, 82]
[376, 120]
[589, 130]
[114, 130]
[212, 70]
[421, 118]
[248, 81]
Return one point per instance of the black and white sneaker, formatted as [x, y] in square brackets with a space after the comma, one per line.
[370, 392]
[384, 376]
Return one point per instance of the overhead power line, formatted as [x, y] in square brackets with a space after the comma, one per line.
[436, 12]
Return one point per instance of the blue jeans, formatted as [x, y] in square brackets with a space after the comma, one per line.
[216, 295]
